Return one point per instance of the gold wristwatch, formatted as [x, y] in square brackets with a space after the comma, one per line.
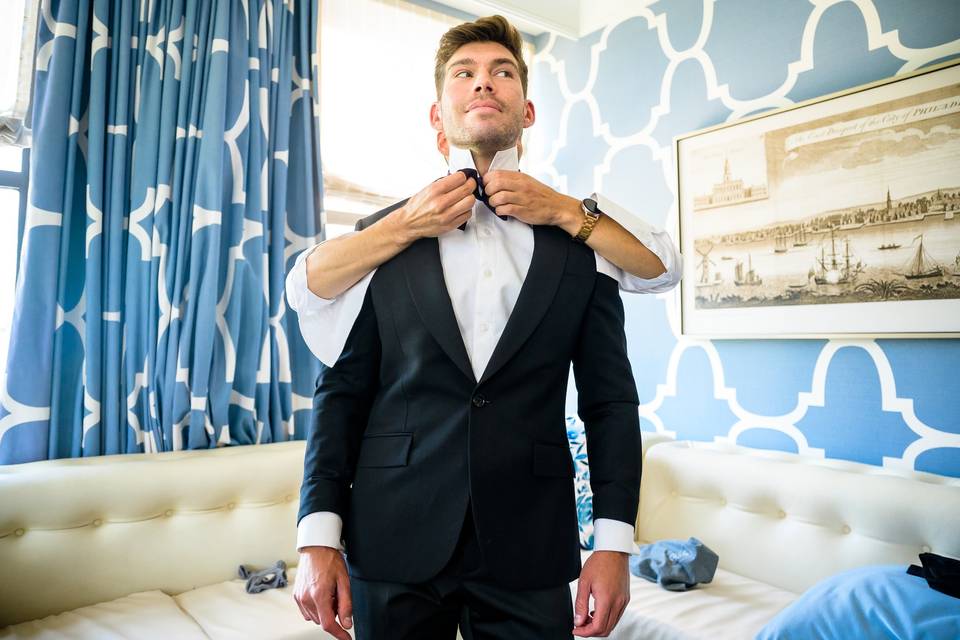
[591, 215]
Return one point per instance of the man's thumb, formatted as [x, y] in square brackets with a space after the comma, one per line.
[583, 600]
[345, 603]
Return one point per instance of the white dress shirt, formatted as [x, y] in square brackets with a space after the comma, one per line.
[484, 267]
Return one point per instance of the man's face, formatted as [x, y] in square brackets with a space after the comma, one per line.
[482, 107]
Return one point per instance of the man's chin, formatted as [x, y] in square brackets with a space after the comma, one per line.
[486, 140]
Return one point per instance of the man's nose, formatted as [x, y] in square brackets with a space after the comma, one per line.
[483, 82]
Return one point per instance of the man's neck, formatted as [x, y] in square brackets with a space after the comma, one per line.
[482, 160]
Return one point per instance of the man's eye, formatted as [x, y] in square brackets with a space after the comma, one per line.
[504, 73]
[462, 74]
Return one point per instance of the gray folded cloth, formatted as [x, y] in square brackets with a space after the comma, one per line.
[674, 564]
[270, 578]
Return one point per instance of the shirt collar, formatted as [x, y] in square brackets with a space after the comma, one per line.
[505, 160]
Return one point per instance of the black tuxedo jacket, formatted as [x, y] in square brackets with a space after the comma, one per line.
[404, 437]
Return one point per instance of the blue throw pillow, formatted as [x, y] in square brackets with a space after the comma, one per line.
[578, 449]
[877, 602]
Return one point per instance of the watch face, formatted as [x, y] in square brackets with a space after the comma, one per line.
[591, 205]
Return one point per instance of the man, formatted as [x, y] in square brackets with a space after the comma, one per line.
[439, 443]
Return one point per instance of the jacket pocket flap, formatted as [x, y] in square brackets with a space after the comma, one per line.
[385, 450]
[552, 461]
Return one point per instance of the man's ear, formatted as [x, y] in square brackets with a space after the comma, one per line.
[442, 145]
[436, 118]
[529, 114]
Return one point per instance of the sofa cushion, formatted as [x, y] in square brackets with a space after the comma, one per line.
[870, 603]
[226, 610]
[145, 615]
[731, 606]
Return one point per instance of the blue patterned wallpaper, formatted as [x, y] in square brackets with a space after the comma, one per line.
[608, 107]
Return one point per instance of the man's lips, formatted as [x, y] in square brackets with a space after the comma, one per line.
[484, 104]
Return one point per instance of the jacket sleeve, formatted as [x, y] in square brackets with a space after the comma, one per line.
[341, 407]
[607, 404]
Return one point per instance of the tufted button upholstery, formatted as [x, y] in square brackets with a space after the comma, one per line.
[235, 496]
[737, 501]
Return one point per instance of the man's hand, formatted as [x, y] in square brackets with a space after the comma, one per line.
[441, 206]
[605, 574]
[322, 590]
[516, 194]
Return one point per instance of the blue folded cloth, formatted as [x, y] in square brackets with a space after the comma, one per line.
[274, 577]
[674, 564]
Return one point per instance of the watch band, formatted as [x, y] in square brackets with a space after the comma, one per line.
[591, 215]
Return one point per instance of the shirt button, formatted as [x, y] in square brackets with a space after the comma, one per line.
[487, 273]
[484, 327]
[486, 232]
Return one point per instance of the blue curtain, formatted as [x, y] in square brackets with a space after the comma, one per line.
[175, 174]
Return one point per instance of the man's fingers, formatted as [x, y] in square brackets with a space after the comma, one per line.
[454, 196]
[494, 181]
[303, 611]
[601, 616]
[450, 182]
[328, 621]
[592, 629]
[463, 218]
[504, 197]
[461, 206]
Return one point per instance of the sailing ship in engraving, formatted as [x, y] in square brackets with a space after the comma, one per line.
[922, 265]
[780, 243]
[801, 238]
[832, 270]
[750, 277]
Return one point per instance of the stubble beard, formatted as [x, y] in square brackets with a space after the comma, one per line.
[482, 138]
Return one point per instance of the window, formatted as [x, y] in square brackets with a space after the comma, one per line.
[18, 31]
[12, 208]
[376, 88]
[17, 37]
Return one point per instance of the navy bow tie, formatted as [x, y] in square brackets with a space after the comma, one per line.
[478, 193]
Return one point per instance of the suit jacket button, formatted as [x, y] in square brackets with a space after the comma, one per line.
[479, 401]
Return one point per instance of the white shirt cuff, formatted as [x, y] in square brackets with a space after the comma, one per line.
[613, 535]
[319, 529]
[299, 296]
[654, 239]
[324, 324]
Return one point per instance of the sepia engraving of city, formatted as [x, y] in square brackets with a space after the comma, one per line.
[769, 231]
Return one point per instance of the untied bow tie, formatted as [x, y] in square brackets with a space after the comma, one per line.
[478, 193]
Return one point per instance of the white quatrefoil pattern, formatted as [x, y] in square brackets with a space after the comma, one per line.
[608, 108]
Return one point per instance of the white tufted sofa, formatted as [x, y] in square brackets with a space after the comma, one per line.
[780, 523]
[147, 546]
[81, 535]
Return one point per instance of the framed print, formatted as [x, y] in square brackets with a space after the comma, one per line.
[835, 217]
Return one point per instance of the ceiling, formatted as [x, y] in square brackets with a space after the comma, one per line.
[570, 18]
